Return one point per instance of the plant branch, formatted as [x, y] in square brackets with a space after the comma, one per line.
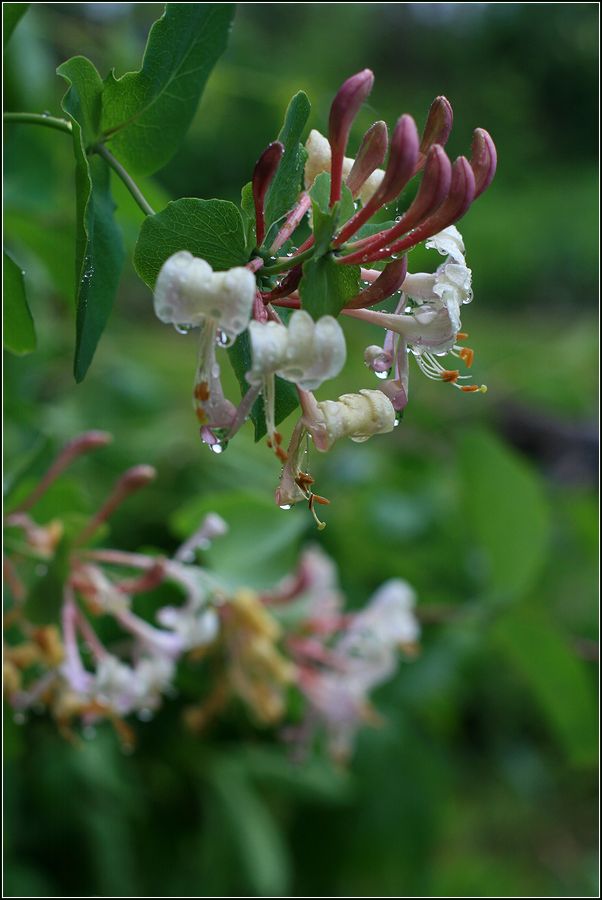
[125, 177]
[38, 119]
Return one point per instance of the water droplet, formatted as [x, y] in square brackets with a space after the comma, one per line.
[396, 423]
[187, 557]
[182, 329]
[19, 718]
[381, 375]
[285, 506]
[216, 448]
[145, 715]
[224, 340]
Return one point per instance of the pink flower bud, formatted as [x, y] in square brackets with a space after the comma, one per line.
[343, 111]
[483, 160]
[431, 194]
[461, 194]
[370, 156]
[402, 160]
[438, 124]
[400, 168]
[265, 169]
[388, 282]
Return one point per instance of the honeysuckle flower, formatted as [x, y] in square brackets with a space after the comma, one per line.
[189, 294]
[338, 678]
[195, 627]
[258, 671]
[125, 689]
[356, 416]
[305, 352]
[319, 160]
[386, 624]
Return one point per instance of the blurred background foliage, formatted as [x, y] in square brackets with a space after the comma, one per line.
[481, 779]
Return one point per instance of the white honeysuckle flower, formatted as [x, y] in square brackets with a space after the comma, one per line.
[126, 688]
[319, 159]
[356, 416]
[188, 293]
[386, 623]
[196, 628]
[448, 242]
[305, 352]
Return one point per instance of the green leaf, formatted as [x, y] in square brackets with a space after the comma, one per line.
[146, 114]
[238, 556]
[261, 849]
[247, 206]
[12, 13]
[99, 248]
[286, 398]
[504, 504]
[326, 286]
[284, 189]
[211, 229]
[557, 678]
[19, 330]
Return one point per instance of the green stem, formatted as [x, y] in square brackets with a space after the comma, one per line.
[38, 119]
[63, 125]
[288, 262]
[126, 178]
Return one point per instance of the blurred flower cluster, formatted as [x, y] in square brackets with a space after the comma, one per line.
[262, 648]
[346, 247]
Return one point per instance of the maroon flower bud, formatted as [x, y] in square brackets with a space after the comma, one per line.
[402, 160]
[483, 160]
[265, 169]
[460, 196]
[370, 156]
[438, 124]
[388, 282]
[431, 194]
[400, 168]
[343, 111]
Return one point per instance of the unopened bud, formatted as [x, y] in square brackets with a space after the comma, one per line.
[402, 160]
[265, 169]
[388, 282]
[343, 111]
[438, 124]
[370, 156]
[356, 416]
[483, 160]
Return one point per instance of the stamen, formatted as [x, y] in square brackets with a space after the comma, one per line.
[466, 354]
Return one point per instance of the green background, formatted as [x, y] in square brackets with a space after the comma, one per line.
[481, 779]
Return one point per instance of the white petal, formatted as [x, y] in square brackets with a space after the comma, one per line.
[448, 242]
[188, 292]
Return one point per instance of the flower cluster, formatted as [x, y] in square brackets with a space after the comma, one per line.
[238, 640]
[423, 321]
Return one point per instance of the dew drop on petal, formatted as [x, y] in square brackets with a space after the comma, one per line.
[182, 329]
[285, 506]
[216, 448]
[381, 375]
